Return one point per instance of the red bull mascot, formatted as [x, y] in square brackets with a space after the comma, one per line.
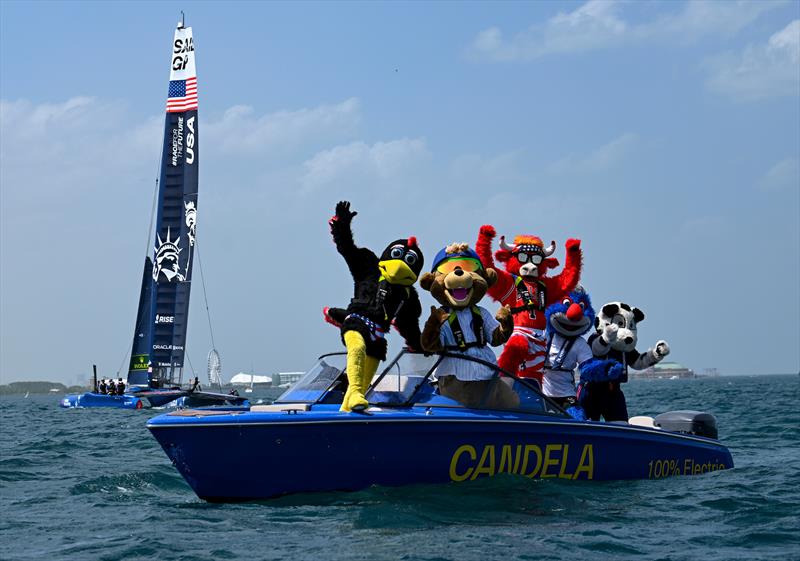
[525, 288]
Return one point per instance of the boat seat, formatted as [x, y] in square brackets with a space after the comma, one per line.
[642, 421]
[277, 407]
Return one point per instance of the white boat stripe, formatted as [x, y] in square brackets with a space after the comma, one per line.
[582, 424]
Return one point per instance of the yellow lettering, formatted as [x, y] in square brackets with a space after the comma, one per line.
[505, 460]
[696, 469]
[536, 450]
[466, 448]
[517, 458]
[485, 467]
[586, 463]
[548, 461]
[687, 465]
[563, 474]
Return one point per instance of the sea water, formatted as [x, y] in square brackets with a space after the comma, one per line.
[93, 484]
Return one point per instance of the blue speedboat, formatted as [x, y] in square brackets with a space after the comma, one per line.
[412, 434]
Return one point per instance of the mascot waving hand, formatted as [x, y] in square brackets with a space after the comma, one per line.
[526, 289]
[383, 295]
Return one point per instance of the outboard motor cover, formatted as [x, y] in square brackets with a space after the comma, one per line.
[692, 422]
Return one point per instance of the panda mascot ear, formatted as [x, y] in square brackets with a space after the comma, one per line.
[638, 315]
[596, 322]
[610, 310]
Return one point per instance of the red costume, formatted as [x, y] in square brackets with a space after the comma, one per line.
[524, 287]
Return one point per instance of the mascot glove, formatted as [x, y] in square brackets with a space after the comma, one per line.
[328, 318]
[488, 231]
[573, 244]
[343, 212]
[440, 315]
[577, 413]
[661, 350]
[504, 317]
[596, 370]
[615, 370]
[610, 333]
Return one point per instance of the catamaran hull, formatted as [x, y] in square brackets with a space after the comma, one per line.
[137, 400]
[259, 456]
[102, 400]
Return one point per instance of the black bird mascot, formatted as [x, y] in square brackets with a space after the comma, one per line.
[383, 296]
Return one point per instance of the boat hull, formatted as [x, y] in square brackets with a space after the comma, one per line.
[211, 399]
[135, 400]
[271, 454]
[90, 399]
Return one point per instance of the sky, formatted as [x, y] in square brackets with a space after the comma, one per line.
[664, 135]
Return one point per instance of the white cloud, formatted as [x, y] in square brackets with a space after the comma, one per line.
[784, 175]
[603, 158]
[77, 145]
[599, 24]
[709, 17]
[241, 131]
[488, 171]
[761, 71]
[591, 26]
[72, 145]
[360, 163]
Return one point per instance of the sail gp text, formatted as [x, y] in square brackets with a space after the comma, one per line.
[177, 141]
[530, 460]
[181, 51]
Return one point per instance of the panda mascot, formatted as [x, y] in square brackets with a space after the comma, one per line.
[615, 338]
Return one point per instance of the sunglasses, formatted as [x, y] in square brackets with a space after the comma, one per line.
[465, 264]
[532, 257]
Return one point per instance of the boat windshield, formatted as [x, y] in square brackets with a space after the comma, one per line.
[318, 382]
[414, 379]
[425, 380]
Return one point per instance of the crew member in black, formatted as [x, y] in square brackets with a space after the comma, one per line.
[383, 295]
[101, 386]
[112, 387]
[120, 387]
[195, 385]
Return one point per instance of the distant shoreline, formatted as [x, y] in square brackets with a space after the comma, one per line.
[16, 388]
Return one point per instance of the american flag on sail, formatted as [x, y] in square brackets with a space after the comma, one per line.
[182, 95]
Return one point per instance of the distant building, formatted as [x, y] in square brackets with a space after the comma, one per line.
[663, 370]
[286, 379]
[245, 379]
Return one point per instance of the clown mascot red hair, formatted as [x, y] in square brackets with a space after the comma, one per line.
[525, 287]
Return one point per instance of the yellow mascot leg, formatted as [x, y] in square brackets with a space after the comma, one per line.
[370, 367]
[356, 362]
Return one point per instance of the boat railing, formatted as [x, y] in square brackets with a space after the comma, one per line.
[410, 379]
[417, 387]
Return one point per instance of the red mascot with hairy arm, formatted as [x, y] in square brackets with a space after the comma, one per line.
[525, 288]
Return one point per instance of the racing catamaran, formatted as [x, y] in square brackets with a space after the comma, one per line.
[155, 370]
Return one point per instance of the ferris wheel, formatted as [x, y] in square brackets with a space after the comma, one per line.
[214, 368]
